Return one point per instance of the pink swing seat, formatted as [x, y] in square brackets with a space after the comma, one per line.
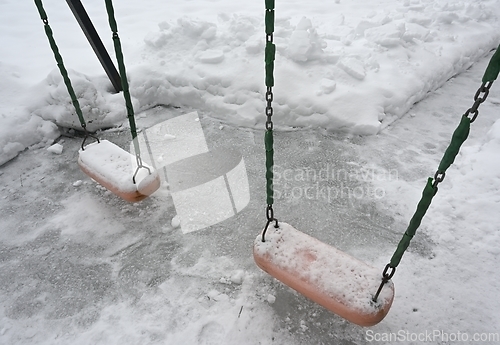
[324, 274]
[114, 168]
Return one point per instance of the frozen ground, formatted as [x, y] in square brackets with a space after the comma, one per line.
[80, 266]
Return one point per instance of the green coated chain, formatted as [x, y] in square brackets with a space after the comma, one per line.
[60, 64]
[124, 81]
[458, 138]
[270, 55]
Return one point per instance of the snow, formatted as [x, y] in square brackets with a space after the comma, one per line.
[396, 53]
[56, 149]
[176, 222]
[361, 86]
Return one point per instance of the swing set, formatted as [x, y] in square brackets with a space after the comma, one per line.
[119, 171]
[337, 281]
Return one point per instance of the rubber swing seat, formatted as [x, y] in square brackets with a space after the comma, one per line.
[324, 274]
[114, 168]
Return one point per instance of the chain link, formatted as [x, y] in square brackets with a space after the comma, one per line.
[269, 95]
[269, 108]
[478, 100]
[386, 276]
[269, 58]
[438, 178]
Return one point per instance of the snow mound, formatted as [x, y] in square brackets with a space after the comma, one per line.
[22, 131]
[305, 43]
[101, 107]
[18, 128]
[389, 58]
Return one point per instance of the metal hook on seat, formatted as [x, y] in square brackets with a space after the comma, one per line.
[270, 219]
[385, 278]
[87, 134]
[139, 166]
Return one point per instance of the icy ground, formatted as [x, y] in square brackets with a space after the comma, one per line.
[81, 266]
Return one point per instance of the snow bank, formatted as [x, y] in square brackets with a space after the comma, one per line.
[345, 69]
[101, 107]
[389, 59]
[22, 130]
[19, 129]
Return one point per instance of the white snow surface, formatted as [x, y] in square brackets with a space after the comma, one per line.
[80, 266]
[346, 65]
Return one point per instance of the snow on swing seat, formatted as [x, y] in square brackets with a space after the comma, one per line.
[114, 168]
[327, 276]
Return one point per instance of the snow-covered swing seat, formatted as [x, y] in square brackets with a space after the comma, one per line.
[119, 171]
[116, 170]
[335, 280]
[324, 274]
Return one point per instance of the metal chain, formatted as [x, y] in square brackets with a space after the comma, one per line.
[269, 59]
[64, 72]
[386, 276]
[125, 87]
[485, 88]
[479, 98]
[270, 219]
[459, 136]
[269, 108]
[269, 92]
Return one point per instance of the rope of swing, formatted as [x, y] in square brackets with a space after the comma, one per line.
[458, 138]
